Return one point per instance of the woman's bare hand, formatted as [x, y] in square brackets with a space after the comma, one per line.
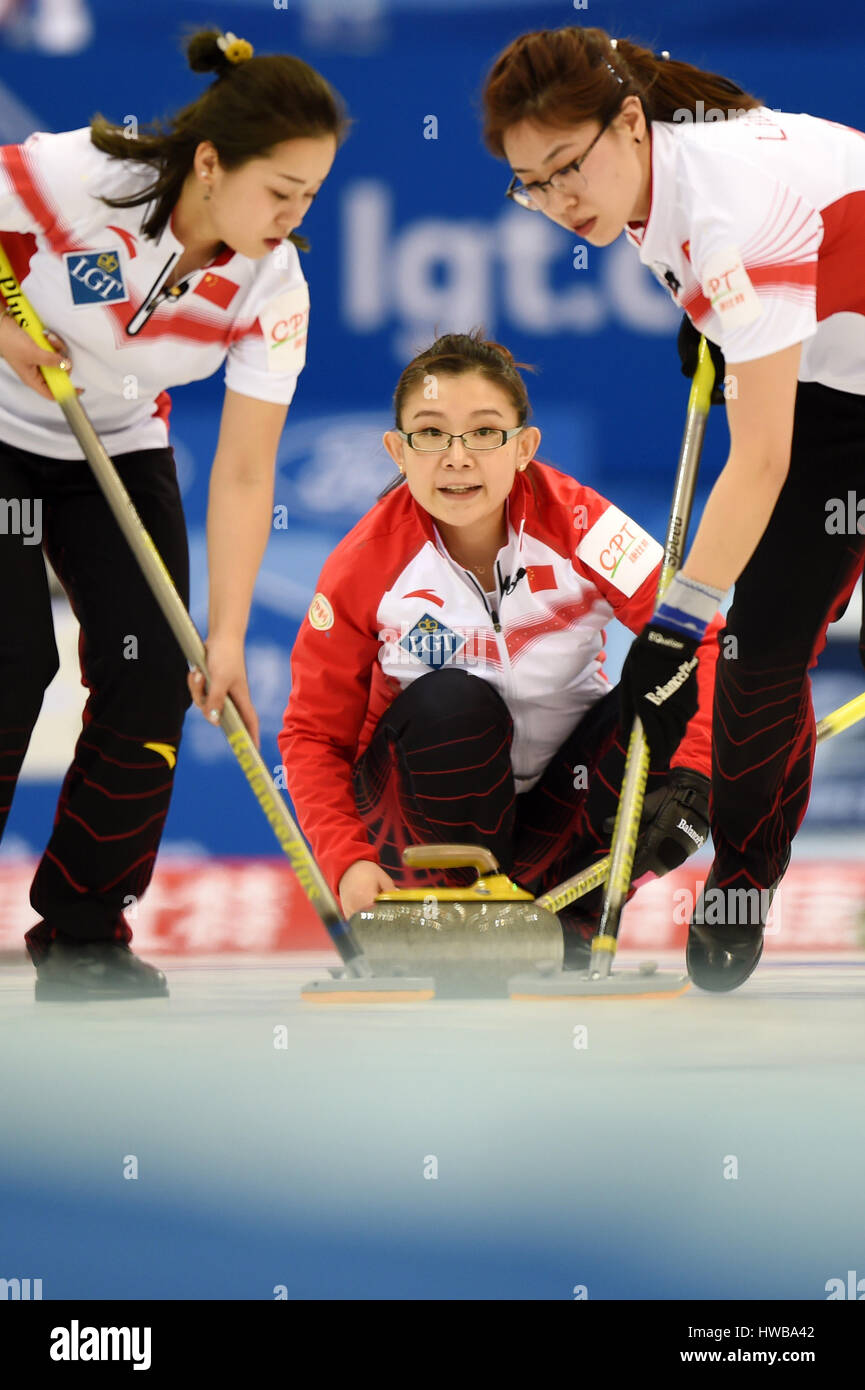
[25, 357]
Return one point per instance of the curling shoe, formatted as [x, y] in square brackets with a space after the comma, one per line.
[721, 955]
[78, 971]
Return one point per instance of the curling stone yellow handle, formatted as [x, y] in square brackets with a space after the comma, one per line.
[450, 857]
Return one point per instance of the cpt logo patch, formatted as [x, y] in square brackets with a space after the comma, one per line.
[284, 324]
[728, 288]
[431, 642]
[95, 277]
[620, 550]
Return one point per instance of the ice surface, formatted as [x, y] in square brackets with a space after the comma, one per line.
[558, 1165]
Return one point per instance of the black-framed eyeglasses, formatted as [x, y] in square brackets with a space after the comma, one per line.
[435, 441]
[534, 195]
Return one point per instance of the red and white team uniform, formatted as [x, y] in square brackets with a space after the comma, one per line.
[95, 279]
[392, 605]
[757, 227]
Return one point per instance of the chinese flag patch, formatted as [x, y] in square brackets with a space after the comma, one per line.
[217, 289]
[540, 577]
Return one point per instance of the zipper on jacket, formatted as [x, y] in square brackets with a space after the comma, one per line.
[156, 296]
[497, 627]
[493, 614]
[503, 646]
[490, 611]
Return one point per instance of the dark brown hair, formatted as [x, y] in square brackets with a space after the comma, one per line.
[250, 107]
[454, 354]
[560, 77]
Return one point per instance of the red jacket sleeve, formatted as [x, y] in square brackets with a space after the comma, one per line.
[695, 749]
[331, 671]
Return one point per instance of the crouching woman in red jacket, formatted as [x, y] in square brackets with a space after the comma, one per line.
[447, 683]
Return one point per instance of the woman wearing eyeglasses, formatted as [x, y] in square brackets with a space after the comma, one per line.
[447, 684]
[755, 222]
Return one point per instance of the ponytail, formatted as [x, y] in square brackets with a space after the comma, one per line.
[252, 105]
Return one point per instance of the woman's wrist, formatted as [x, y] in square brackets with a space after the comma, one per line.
[227, 631]
[687, 606]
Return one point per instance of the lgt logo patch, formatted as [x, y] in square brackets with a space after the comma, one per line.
[432, 642]
[95, 277]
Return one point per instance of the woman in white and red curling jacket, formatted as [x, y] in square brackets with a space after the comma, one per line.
[448, 681]
[753, 218]
[154, 258]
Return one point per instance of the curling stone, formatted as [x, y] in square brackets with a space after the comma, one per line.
[472, 940]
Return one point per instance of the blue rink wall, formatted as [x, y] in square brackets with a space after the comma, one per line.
[412, 235]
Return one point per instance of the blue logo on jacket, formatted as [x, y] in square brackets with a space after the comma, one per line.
[431, 642]
[95, 277]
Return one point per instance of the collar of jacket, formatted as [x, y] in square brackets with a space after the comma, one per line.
[167, 240]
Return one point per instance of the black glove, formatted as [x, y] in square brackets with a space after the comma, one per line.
[658, 685]
[689, 342]
[674, 823]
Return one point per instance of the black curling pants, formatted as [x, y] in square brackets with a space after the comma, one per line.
[116, 793]
[798, 580]
[438, 769]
